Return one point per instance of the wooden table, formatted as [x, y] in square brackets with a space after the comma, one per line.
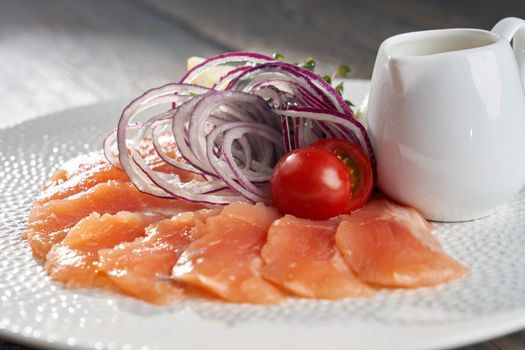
[57, 54]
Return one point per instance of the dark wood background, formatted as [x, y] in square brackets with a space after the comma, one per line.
[56, 54]
[333, 32]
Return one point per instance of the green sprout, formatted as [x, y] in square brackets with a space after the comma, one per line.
[308, 64]
[349, 103]
[340, 88]
[342, 71]
[278, 56]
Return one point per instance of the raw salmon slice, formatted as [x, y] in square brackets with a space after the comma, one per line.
[75, 166]
[73, 184]
[49, 223]
[85, 171]
[74, 261]
[301, 256]
[390, 245]
[226, 260]
[137, 267]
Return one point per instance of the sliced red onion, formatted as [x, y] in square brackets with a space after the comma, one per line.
[109, 147]
[234, 176]
[231, 138]
[251, 78]
[311, 82]
[230, 58]
[349, 125]
[198, 126]
[180, 190]
[156, 134]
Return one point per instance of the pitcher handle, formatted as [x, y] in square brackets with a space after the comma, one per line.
[512, 28]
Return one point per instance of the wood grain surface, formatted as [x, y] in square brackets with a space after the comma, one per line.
[56, 54]
[333, 32]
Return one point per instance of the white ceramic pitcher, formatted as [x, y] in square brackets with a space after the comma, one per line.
[446, 117]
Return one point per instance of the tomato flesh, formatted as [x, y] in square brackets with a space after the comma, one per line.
[358, 165]
[311, 183]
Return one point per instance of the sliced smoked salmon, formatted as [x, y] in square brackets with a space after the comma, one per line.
[390, 245]
[140, 268]
[85, 171]
[95, 229]
[226, 259]
[74, 261]
[72, 184]
[301, 256]
[48, 223]
[74, 167]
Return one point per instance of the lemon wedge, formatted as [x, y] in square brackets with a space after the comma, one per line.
[361, 112]
[211, 76]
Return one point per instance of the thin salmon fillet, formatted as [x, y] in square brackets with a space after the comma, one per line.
[74, 261]
[137, 267]
[226, 259]
[301, 256]
[49, 223]
[73, 184]
[392, 246]
[74, 167]
[85, 171]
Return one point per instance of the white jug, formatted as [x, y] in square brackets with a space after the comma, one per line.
[446, 117]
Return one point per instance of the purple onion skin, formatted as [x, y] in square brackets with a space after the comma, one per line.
[316, 111]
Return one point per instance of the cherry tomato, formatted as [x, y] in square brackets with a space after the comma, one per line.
[359, 166]
[310, 183]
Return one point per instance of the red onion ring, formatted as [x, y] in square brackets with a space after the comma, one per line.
[232, 138]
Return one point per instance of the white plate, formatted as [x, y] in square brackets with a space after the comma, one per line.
[488, 303]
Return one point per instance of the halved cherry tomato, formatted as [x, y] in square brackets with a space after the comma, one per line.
[359, 166]
[311, 183]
